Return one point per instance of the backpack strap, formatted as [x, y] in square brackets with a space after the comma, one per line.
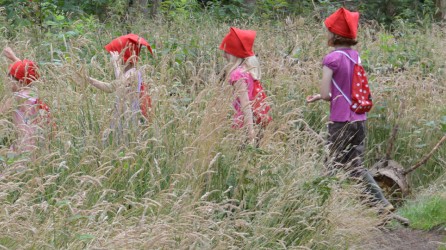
[348, 56]
[342, 92]
[135, 103]
[334, 82]
[26, 96]
[139, 82]
[34, 100]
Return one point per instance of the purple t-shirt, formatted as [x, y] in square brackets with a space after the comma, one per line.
[342, 73]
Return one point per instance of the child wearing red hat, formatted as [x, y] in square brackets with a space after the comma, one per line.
[132, 98]
[346, 129]
[28, 109]
[244, 74]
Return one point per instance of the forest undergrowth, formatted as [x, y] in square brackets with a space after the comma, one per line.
[186, 179]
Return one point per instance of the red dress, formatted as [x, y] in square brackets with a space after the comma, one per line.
[257, 97]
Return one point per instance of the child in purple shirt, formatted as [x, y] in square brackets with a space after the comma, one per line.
[346, 130]
[342, 68]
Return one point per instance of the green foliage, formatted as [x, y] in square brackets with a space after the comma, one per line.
[44, 17]
[227, 10]
[389, 11]
[181, 180]
[321, 187]
[179, 8]
[443, 123]
[271, 8]
[425, 213]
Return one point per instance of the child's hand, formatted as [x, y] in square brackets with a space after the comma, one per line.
[9, 53]
[7, 104]
[79, 75]
[313, 98]
[251, 137]
[114, 56]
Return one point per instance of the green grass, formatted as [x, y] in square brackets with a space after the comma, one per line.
[185, 179]
[425, 213]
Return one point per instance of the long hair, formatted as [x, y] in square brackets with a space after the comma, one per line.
[250, 64]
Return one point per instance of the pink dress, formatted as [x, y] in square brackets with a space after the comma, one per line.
[27, 119]
[257, 97]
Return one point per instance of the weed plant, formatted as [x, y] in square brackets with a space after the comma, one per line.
[186, 179]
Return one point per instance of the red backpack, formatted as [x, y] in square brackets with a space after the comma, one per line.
[43, 116]
[260, 107]
[360, 99]
[42, 106]
[145, 102]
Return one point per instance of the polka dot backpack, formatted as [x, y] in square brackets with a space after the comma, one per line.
[360, 100]
[145, 101]
[260, 106]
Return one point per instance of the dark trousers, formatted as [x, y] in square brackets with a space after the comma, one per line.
[346, 142]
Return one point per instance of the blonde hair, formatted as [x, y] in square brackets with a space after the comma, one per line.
[250, 64]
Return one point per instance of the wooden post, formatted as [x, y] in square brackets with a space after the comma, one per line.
[154, 9]
[441, 5]
[142, 6]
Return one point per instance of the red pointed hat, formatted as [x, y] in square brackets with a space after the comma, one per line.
[343, 23]
[239, 42]
[126, 42]
[24, 71]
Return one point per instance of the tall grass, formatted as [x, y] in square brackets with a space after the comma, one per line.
[186, 180]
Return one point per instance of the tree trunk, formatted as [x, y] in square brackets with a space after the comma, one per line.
[250, 3]
[142, 6]
[155, 6]
[441, 5]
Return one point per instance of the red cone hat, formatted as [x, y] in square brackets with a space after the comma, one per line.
[343, 23]
[126, 42]
[24, 71]
[239, 42]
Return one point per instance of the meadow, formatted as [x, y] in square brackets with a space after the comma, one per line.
[186, 179]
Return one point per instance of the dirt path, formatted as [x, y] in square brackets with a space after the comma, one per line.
[409, 239]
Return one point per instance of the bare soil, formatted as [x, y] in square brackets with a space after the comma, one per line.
[408, 239]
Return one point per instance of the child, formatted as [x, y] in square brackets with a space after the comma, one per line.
[131, 92]
[244, 75]
[29, 110]
[346, 130]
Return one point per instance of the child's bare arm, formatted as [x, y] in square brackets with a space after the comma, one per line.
[114, 59]
[9, 53]
[241, 91]
[6, 105]
[104, 86]
[325, 88]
